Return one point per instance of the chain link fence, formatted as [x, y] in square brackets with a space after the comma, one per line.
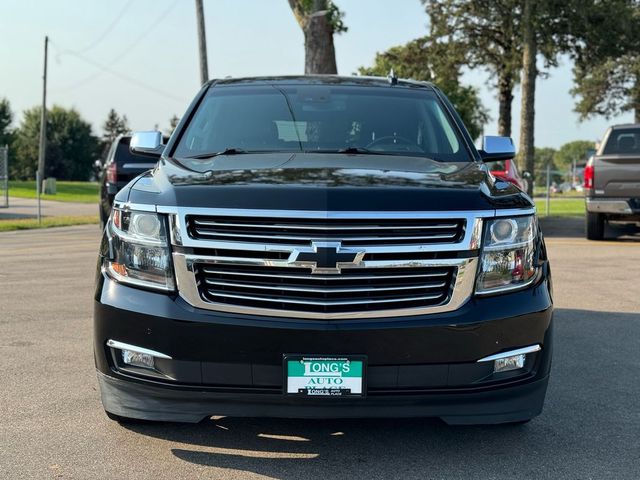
[4, 177]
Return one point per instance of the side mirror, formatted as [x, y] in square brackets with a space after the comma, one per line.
[497, 148]
[97, 165]
[147, 143]
[526, 175]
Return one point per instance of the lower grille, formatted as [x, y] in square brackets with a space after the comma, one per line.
[297, 290]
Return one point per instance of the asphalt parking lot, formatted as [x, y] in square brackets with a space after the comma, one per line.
[52, 424]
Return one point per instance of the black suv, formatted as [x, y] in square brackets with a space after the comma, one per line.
[322, 247]
[120, 167]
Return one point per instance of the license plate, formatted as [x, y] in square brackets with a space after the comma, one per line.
[324, 376]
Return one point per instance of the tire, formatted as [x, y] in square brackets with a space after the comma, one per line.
[595, 226]
[103, 221]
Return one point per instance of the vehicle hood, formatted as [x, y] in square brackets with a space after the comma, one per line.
[315, 181]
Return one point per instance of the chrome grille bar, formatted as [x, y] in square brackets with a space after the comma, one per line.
[321, 227]
[381, 239]
[322, 303]
[324, 290]
[323, 277]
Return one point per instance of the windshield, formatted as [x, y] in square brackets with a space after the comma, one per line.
[322, 118]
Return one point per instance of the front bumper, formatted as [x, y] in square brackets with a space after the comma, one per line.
[229, 364]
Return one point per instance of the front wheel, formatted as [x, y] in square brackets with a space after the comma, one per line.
[595, 226]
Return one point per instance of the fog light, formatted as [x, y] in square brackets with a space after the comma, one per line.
[138, 359]
[507, 364]
[135, 356]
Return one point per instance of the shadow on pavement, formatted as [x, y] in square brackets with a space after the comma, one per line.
[574, 227]
[589, 429]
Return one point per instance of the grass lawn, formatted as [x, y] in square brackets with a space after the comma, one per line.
[47, 222]
[561, 207]
[83, 192]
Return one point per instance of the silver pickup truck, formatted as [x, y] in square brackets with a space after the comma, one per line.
[612, 180]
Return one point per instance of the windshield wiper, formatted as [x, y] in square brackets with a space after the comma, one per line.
[348, 150]
[357, 150]
[226, 151]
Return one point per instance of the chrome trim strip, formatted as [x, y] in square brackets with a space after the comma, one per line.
[188, 289]
[334, 214]
[142, 207]
[125, 346]
[608, 206]
[515, 212]
[511, 353]
[139, 166]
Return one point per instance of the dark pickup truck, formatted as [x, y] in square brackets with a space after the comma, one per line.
[322, 246]
[612, 180]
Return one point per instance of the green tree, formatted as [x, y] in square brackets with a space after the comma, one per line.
[427, 60]
[173, 123]
[6, 119]
[570, 152]
[319, 20]
[489, 32]
[71, 146]
[543, 158]
[607, 63]
[114, 126]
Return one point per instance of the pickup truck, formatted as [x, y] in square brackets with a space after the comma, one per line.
[612, 180]
[322, 246]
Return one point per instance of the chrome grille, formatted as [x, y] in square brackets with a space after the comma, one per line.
[325, 265]
[297, 290]
[351, 232]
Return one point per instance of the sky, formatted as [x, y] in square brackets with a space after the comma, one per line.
[140, 57]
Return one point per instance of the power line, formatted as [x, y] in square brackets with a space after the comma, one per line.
[117, 58]
[122, 76]
[108, 29]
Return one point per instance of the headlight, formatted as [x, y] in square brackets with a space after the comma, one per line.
[507, 261]
[139, 253]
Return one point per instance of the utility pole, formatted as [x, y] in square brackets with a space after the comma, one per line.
[202, 43]
[43, 131]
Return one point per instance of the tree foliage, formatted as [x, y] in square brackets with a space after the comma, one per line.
[543, 158]
[173, 123]
[71, 146]
[488, 32]
[6, 119]
[426, 60]
[572, 151]
[319, 21]
[607, 60]
[114, 126]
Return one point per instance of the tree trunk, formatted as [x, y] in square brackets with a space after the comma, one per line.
[505, 99]
[529, 74]
[320, 54]
[636, 99]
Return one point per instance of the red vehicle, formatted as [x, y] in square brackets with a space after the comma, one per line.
[507, 170]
